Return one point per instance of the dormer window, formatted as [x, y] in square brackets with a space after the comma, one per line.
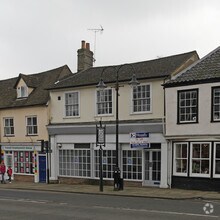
[22, 92]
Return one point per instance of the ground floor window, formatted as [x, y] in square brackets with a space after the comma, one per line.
[24, 162]
[76, 162]
[217, 160]
[108, 163]
[196, 159]
[200, 159]
[180, 159]
[83, 162]
[132, 164]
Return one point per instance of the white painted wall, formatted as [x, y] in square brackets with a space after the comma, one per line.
[88, 104]
[204, 125]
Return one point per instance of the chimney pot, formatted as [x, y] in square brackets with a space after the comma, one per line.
[87, 46]
[83, 44]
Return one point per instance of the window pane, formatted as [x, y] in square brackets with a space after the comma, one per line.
[24, 162]
[141, 99]
[201, 157]
[75, 162]
[32, 125]
[216, 104]
[8, 126]
[187, 106]
[132, 164]
[104, 101]
[72, 104]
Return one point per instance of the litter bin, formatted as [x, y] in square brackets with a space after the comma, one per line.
[116, 176]
[121, 183]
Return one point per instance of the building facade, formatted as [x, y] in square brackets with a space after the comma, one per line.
[193, 125]
[24, 114]
[77, 106]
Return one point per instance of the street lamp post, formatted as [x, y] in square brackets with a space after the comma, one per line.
[101, 85]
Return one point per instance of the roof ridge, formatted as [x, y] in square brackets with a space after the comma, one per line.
[43, 72]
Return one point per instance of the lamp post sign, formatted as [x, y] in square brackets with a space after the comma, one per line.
[100, 141]
[139, 139]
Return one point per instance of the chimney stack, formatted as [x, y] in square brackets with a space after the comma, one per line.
[85, 57]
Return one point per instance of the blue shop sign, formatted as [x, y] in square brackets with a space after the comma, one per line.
[139, 139]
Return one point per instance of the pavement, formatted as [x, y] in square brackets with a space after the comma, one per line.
[148, 192]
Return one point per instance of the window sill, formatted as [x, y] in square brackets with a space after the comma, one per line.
[189, 122]
[71, 117]
[29, 135]
[200, 175]
[215, 121]
[216, 176]
[104, 115]
[25, 174]
[180, 174]
[7, 135]
[141, 113]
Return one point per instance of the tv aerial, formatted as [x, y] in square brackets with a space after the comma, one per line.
[96, 30]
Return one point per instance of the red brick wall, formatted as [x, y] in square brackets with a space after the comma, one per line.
[23, 178]
[76, 181]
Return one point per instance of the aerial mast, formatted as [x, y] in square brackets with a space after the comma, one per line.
[96, 30]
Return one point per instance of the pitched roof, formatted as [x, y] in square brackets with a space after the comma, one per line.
[204, 70]
[39, 81]
[158, 68]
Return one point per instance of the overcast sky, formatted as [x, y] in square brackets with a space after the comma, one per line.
[38, 35]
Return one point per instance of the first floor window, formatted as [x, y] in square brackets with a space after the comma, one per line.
[104, 102]
[76, 162]
[31, 125]
[188, 106]
[200, 159]
[9, 126]
[24, 162]
[180, 159]
[108, 163]
[72, 104]
[216, 104]
[132, 164]
[141, 98]
[217, 160]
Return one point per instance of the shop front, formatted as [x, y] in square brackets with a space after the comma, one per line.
[196, 164]
[76, 158]
[24, 161]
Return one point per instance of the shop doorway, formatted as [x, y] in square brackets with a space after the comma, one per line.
[8, 163]
[42, 168]
[152, 164]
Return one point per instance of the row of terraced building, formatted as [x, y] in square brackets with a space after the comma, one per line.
[176, 105]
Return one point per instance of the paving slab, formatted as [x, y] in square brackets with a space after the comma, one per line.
[149, 192]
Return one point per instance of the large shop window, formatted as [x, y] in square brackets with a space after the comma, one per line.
[104, 102]
[217, 160]
[24, 162]
[108, 163]
[76, 163]
[200, 159]
[132, 164]
[216, 104]
[188, 106]
[72, 104]
[142, 98]
[180, 166]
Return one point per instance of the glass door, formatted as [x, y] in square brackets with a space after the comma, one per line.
[152, 163]
[8, 163]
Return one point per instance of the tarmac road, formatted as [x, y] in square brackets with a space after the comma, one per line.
[39, 205]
